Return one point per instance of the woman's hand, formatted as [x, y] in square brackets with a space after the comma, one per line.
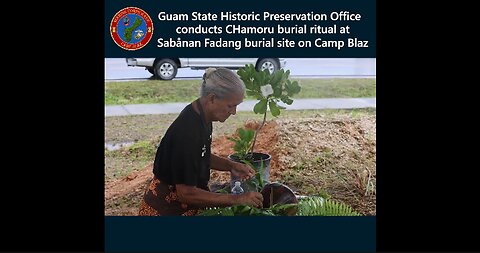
[242, 171]
[249, 198]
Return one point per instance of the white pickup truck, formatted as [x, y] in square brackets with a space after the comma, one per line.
[166, 68]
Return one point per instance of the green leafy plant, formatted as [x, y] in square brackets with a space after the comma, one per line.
[318, 206]
[242, 143]
[310, 206]
[256, 182]
[269, 89]
[244, 210]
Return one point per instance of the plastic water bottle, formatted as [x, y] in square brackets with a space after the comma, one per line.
[237, 189]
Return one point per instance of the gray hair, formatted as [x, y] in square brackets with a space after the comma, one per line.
[221, 82]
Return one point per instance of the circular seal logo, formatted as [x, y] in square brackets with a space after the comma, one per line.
[131, 28]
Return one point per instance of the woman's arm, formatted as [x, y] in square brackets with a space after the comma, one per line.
[220, 163]
[239, 170]
[200, 198]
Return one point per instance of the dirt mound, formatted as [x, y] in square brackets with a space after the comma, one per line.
[336, 156]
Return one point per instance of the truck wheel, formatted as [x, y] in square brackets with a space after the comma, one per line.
[166, 69]
[269, 64]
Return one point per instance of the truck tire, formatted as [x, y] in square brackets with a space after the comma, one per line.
[270, 64]
[165, 69]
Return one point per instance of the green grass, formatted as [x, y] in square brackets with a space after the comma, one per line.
[156, 91]
[122, 162]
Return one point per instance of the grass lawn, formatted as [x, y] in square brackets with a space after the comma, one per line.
[157, 91]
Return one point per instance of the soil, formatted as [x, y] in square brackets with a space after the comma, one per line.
[335, 156]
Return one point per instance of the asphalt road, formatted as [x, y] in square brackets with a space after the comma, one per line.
[117, 69]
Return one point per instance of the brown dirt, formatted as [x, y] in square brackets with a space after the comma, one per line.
[310, 155]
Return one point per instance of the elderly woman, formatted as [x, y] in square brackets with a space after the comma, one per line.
[183, 159]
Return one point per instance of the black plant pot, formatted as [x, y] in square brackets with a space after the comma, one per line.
[256, 160]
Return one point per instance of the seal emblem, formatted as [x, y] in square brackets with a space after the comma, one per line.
[131, 28]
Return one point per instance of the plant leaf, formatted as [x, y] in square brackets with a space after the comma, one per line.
[318, 206]
[261, 183]
[242, 133]
[295, 87]
[261, 106]
[274, 108]
[286, 100]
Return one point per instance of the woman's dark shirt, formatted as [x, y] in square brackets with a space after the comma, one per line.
[183, 156]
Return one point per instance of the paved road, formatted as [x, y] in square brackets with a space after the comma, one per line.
[117, 69]
[298, 104]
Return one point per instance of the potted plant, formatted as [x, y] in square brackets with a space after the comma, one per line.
[269, 89]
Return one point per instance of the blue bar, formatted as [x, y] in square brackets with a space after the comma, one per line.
[257, 234]
[359, 40]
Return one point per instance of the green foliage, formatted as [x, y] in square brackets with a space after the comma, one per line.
[269, 89]
[221, 191]
[310, 206]
[256, 182]
[243, 143]
[241, 148]
[318, 206]
[282, 89]
[244, 210]
[144, 148]
[158, 91]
